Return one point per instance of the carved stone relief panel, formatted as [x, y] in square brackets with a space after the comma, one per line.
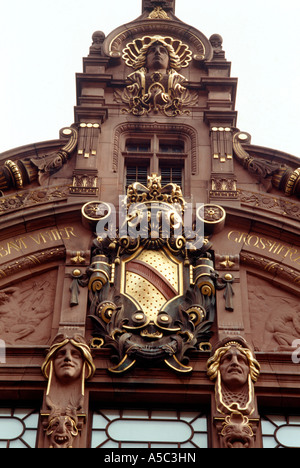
[26, 310]
[274, 315]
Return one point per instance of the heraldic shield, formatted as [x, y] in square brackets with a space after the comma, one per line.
[152, 281]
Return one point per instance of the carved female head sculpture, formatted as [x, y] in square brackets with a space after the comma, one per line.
[136, 53]
[67, 365]
[157, 58]
[234, 368]
[158, 55]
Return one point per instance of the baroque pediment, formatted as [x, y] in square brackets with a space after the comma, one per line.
[146, 25]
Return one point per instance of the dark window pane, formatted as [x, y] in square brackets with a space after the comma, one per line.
[171, 175]
[135, 173]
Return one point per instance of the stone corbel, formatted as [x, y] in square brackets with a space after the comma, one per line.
[67, 366]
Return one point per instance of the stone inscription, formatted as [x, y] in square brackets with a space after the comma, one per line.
[272, 246]
[39, 239]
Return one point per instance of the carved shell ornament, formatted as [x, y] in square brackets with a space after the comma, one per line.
[135, 52]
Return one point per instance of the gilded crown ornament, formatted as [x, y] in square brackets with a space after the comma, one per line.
[139, 193]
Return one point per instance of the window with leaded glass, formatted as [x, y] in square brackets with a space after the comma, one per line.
[280, 431]
[159, 155]
[18, 427]
[149, 429]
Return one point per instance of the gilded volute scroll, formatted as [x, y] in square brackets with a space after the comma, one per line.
[270, 173]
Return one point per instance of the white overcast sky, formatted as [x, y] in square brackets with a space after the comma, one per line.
[42, 43]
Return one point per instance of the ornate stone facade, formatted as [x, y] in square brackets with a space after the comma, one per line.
[150, 259]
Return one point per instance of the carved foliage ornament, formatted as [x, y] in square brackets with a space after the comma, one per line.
[156, 86]
[158, 13]
[152, 299]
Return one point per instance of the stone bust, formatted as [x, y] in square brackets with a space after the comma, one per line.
[98, 39]
[156, 84]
